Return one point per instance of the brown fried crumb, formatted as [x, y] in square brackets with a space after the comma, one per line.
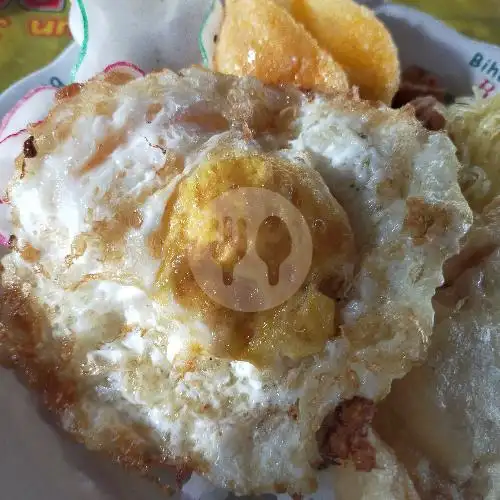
[12, 241]
[182, 475]
[309, 96]
[417, 82]
[343, 435]
[427, 113]
[29, 149]
[293, 412]
[363, 454]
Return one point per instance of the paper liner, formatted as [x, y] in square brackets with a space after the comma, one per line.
[162, 35]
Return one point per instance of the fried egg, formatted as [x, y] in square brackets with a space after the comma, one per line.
[104, 314]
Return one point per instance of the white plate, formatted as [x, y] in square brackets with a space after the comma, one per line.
[458, 60]
[38, 462]
[57, 74]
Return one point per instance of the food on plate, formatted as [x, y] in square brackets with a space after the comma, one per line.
[417, 83]
[113, 196]
[443, 418]
[312, 43]
[261, 39]
[422, 90]
[357, 40]
[428, 111]
[473, 123]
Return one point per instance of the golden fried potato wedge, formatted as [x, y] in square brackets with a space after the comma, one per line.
[260, 38]
[357, 40]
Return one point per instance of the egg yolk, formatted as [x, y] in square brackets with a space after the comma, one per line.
[302, 324]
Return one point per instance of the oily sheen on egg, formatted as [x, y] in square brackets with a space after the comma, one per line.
[133, 356]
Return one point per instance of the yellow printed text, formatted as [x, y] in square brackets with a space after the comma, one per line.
[49, 27]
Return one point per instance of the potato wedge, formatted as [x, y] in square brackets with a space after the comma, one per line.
[262, 39]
